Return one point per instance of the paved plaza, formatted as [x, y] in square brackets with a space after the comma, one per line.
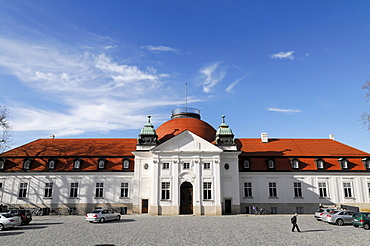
[183, 230]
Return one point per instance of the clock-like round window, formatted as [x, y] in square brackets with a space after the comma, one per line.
[227, 166]
[146, 166]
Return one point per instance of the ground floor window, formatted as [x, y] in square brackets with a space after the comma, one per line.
[165, 191]
[272, 189]
[23, 190]
[48, 192]
[124, 189]
[73, 192]
[247, 189]
[297, 189]
[323, 189]
[347, 189]
[274, 210]
[99, 190]
[207, 190]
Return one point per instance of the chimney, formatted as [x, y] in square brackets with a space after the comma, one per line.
[331, 136]
[264, 137]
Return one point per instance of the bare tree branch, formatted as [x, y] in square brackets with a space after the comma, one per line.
[6, 131]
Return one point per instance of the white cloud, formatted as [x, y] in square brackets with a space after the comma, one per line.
[283, 55]
[231, 86]
[159, 49]
[213, 76]
[284, 110]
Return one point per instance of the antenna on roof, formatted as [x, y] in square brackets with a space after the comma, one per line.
[186, 97]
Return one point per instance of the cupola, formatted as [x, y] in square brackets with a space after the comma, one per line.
[224, 135]
[147, 135]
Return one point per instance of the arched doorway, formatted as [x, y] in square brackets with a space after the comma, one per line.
[186, 198]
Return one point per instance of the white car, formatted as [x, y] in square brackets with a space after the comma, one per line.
[9, 221]
[102, 215]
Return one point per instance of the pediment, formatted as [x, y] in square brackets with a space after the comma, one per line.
[187, 142]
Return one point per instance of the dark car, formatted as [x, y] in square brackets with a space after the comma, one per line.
[25, 214]
[361, 219]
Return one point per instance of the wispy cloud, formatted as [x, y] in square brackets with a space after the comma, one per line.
[280, 110]
[159, 49]
[305, 56]
[283, 55]
[231, 86]
[213, 74]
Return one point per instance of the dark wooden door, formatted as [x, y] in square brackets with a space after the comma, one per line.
[227, 206]
[186, 198]
[144, 205]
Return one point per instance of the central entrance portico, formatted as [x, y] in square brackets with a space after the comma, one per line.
[186, 198]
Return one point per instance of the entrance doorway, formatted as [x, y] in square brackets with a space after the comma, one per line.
[227, 206]
[186, 198]
[144, 206]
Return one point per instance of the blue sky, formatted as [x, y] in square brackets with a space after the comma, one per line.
[96, 69]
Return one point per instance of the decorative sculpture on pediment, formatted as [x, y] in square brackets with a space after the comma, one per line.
[187, 177]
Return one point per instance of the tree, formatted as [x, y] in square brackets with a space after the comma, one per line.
[6, 133]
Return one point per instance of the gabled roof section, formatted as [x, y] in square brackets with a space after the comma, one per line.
[186, 141]
[74, 148]
[297, 148]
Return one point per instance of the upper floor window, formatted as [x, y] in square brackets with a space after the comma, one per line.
[77, 164]
[247, 189]
[125, 164]
[347, 189]
[297, 189]
[270, 163]
[343, 163]
[186, 165]
[166, 165]
[101, 163]
[124, 190]
[23, 187]
[48, 192]
[165, 191]
[51, 164]
[246, 164]
[1, 185]
[319, 163]
[207, 165]
[2, 164]
[73, 192]
[323, 192]
[295, 163]
[272, 189]
[27, 164]
[366, 162]
[99, 190]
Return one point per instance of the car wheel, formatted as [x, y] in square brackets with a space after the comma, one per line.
[366, 226]
[118, 217]
[91, 221]
[340, 222]
[2, 227]
[355, 226]
[102, 220]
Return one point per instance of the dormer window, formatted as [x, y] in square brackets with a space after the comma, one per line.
[26, 164]
[76, 164]
[51, 164]
[125, 164]
[246, 164]
[295, 163]
[319, 163]
[270, 163]
[343, 163]
[366, 162]
[2, 164]
[101, 163]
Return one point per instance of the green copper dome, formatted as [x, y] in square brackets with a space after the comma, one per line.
[148, 128]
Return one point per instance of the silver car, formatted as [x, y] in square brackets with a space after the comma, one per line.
[322, 212]
[340, 217]
[328, 214]
[102, 215]
[9, 221]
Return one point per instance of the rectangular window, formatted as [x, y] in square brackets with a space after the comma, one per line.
[207, 165]
[368, 185]
[1, 185]
[207, 190]
[124, 189]
[99, 190]
[22, 190]
[48, 190]
[73, 193]
[272, 189]
[323, 189]
[166, 165]
[347, 189]
[165, 191]
[297, 189]
[186, 165]
[274, 210]
[247, 189]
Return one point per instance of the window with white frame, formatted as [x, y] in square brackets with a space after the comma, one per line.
[186, 165]
[51, 164]
[48, 192]
[207, 165]
[23, 190]
[347, 189]
[27, 164]
[297, 189]
[166, 165]
[77, 164]
[207, 190]
[246, 164]
[99, 190]
[124, 190]
[73, 192]
[247, 189]
[165, 191]
[101, 164]
[323, 192]
[272, 189]
[125, 164]
[271, 163]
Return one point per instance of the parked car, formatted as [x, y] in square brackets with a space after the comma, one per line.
[25, 214]
[340, 217]
[361, 219]
[322, 212]
[102, 215]
[9, 220]
[327, 215]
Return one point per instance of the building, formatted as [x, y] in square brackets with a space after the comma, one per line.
[185, 166]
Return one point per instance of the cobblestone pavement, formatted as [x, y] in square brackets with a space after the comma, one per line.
[183, 230]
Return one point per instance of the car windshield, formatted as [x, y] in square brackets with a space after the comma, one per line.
[96, 212]
[13, 211]
[7, 215]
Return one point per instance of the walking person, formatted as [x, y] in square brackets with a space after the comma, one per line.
[294, 220]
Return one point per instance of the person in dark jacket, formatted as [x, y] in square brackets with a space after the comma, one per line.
[294, 222]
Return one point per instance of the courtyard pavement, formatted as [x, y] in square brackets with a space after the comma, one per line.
[183, 230]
